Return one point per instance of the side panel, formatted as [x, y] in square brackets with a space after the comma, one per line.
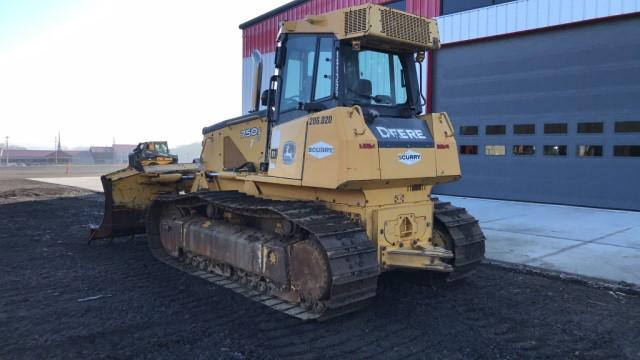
[234, 145]
[288, 141]
[340, 148]
[407, 163]
[446, 150]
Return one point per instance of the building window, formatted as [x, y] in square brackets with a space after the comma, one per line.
[589, 150]
[468, 130]
[469, 149]
[626, 150]
[454, 6]
[555, 150]
[524, 149]
[555, 128]
[627, 126]
[494, 150]
[495, 130]
[590, 128]
[524, 129]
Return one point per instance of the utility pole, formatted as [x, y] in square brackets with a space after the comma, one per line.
[57, 147]
[6, 148]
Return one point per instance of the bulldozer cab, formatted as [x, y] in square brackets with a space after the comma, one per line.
[362, 58]
[321, 72]
[365, 56]
[151, 153]
[160, 147]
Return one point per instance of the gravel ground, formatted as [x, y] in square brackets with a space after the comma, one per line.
[63, 298]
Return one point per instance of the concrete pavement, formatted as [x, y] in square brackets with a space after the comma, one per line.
[84, 182]
[598, 243]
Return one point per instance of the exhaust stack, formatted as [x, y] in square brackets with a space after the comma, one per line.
[256, 80]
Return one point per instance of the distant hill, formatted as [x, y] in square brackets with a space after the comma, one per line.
[186, 153]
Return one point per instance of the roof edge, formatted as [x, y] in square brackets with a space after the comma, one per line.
[271, 13]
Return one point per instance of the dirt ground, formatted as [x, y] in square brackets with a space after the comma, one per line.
[63, 298]
[17, 190]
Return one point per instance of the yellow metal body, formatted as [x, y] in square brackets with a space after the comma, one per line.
[158, 160]
[333, 158]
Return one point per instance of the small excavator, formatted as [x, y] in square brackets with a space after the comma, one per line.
[301, 205]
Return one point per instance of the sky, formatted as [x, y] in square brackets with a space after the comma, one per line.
[133, 70]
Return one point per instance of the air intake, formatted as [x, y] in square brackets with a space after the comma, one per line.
[355, 21]
[404, 26]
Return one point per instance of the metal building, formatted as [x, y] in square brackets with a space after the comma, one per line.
[544, 94]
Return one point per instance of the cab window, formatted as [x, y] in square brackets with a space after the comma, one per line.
[325, 69]
[298, 72]
[375, 77]
[307, 74]
[162, 148]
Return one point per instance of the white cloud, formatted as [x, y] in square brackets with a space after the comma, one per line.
[130, 69]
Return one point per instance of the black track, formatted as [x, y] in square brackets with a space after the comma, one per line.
[352, 257]
[468, 239]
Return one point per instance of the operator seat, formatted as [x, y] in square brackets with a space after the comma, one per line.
[363, 90]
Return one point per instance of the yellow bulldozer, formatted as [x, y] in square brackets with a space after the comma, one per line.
[151, 153]
[302, 205]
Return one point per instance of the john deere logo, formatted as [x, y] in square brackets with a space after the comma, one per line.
[288, 152]
[409, 157]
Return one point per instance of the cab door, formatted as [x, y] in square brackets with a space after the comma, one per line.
[306, 77]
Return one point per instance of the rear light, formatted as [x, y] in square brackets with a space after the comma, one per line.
[443, 146]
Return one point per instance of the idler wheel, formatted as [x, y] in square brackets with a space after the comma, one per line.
[310, 273]
[441, 239]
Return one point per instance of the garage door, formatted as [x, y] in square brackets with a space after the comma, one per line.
[550, 116]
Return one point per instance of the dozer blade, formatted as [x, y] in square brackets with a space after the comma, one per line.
[128, 194]
[117, 220]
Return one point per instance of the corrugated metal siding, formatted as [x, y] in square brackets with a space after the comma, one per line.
[426, 8]
[527, 15]
[262, 35]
